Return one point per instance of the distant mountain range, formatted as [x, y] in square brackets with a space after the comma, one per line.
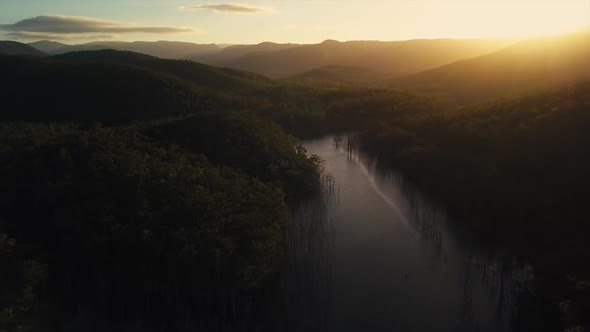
[206, 53]
[461, 70]
[389, 59]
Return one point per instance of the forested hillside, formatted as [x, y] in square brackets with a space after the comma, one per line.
[174, 218]
[80, 87]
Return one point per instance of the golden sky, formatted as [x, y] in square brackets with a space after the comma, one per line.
[299, 21]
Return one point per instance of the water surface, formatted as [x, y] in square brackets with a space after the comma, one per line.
[372, 255]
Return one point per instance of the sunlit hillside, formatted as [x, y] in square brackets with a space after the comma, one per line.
[524, 67]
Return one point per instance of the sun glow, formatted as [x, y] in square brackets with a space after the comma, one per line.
[471, 19]
[312, 21]
[517, 18]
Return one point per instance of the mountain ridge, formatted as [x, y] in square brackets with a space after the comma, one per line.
[392, 58]
[276, 60]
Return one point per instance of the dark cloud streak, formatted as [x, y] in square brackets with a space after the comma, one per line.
[224, 8]
[53, 36]
[64, 27]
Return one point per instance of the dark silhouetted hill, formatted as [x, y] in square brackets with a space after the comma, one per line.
[118, 87]
[203, 76]
[49, 47]
[161, 49]
[15, 48]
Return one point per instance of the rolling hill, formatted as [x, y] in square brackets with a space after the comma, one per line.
[15, 48]
[200, 75]
[116, 87]
[526, 66]
[49, 47]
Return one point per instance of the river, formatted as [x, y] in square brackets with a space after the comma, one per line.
[369, 254]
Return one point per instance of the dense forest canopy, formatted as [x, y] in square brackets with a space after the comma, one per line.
[183, 194]
[112, 215]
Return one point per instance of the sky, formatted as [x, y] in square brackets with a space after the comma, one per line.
[295, 21]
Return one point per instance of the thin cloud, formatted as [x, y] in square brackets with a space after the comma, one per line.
[53, 36]
[226, 7]
[67, 27]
